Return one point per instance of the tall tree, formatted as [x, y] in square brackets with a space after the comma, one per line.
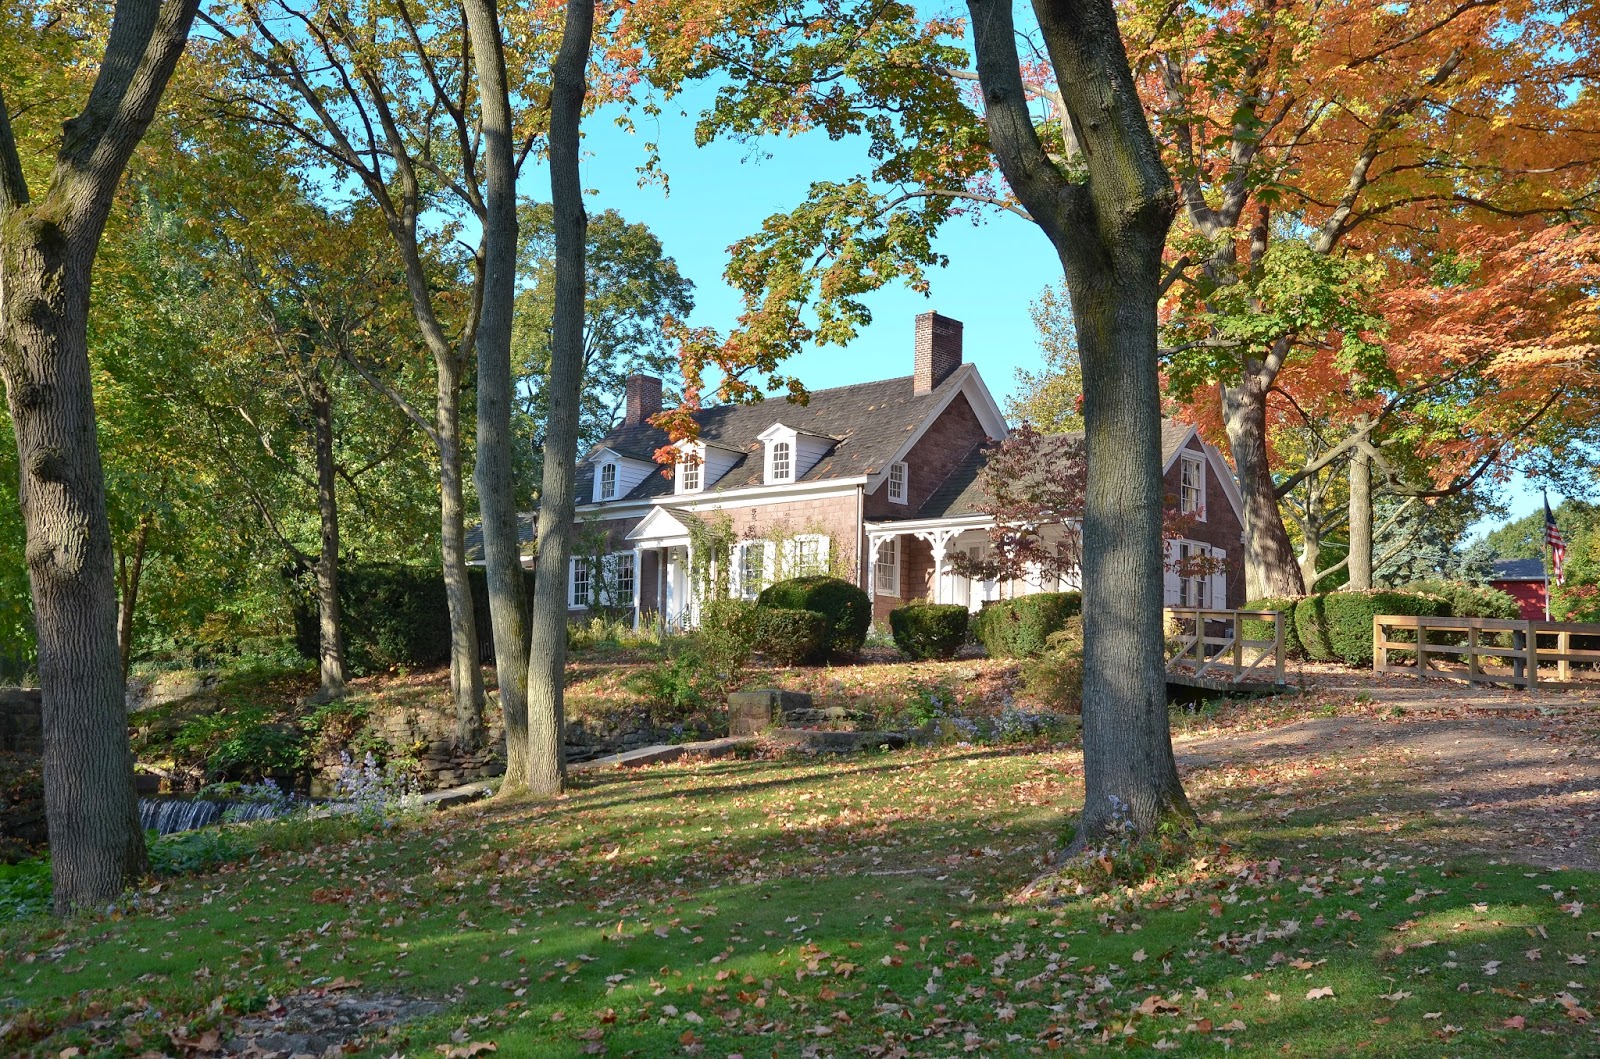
[1051, 398]
[47, 252]
[542, 769]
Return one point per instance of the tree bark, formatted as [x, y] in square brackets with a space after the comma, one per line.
[497, 500]
[330, 651]
[1109, 233]
[130, 573]
[1360, 567]
[542, 770]
[47, 252]
[1269, 563]
[466, 673]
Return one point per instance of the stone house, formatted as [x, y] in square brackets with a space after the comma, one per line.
[876, 482]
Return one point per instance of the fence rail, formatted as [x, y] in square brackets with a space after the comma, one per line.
[1213, 643]
[1494, 650]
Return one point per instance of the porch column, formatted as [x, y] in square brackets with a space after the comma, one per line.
[939, 540]
[638, 586]
[874, 542]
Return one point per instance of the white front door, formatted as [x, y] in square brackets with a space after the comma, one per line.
[677, 614]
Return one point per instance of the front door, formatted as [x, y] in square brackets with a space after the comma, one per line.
[677, 602]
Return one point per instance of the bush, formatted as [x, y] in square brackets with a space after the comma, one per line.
[1469, 601]
[395, 615]
[1055, 678]
[1019, 628]
[1338, 625]
[792, 637]
[847, 609]
[929, 630]
[1257, 629]
[727, 637]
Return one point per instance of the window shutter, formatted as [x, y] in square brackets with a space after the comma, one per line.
[1218, 594]
[1171, 588]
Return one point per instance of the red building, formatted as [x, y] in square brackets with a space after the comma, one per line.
[1522, 580]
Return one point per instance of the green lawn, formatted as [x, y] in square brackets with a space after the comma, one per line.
[848, 908]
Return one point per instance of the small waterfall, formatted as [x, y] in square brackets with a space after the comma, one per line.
[167, 816]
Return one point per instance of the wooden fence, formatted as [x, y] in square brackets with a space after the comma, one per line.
[1210, 649]
[1485, 650]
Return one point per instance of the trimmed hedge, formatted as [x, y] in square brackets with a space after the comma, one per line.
[1338, 625]
[791, 637]
[395, 615]
[1018, 628]
[929, 630]
[1257, 629]
[1469, 601]
[847, 609]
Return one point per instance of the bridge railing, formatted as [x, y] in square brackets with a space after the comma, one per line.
[1210, 644]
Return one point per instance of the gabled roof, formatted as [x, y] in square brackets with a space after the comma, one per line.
[474, 536]
[1519, 570]
[961, 493]
[871, 421]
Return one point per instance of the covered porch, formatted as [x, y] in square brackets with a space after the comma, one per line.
[663, 556]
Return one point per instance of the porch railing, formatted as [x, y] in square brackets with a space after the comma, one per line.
[1211, 644]
[1492, 651]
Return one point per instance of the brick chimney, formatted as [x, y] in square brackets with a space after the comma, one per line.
[644, 399]
[938, 351]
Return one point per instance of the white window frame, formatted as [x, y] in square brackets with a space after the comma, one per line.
[1193, 589]
[575, 565]
[691, 471]
[1198, 508]
[607, 490]
[886, 568]
[621, 562]
[898, 489]
[775, 475]
[797, 568]
[750, 587]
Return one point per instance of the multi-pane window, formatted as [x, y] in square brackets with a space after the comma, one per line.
[689, 474]
[809, 556]
[897, 482]
[622, 579]
[1193, 574]
[581, 583]
[1193, 487]
[886, 571]
[608, 481]
[782, 461]
[752, 568]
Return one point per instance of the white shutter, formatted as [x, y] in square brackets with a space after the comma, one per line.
[1171, 588]
[1218, 593]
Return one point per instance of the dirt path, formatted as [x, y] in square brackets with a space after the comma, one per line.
[1522, 787]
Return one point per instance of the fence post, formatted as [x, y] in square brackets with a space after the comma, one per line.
[1472, 651]
[1277, 645]
[1564, 645]
[1533, 657]
[1422, 646]
[1238, 644]
[1380, 647]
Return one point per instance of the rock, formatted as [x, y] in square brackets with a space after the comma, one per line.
[812, 741]
[755, 710]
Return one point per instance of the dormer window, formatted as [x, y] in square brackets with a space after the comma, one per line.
[608, 481]
[691, 469]
[897, 482]
[782, 468]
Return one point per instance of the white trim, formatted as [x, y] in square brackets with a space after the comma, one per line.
[771, 476]
[1189, 432]
[572, 583]
[714, 499]
[889, 586]
[1202, 465]
[913, 525]
[600, 470]
[691, 457]
[905, 483]
[1230, 485]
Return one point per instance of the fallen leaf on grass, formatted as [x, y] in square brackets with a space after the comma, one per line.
[467, 1051]
[1320, 992]
[1515, 1022]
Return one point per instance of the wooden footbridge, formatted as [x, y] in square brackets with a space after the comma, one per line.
[1209, 649]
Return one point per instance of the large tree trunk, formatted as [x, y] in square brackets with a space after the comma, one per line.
[1269, 563]
[1360, 518]
[130, 574]
[1109, 231]
[542, 769]
[330, 651]
[47, 252]
[1129, 774]
[497, 500]
[466, 672]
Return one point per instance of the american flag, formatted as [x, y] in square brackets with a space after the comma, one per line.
[1558, 546]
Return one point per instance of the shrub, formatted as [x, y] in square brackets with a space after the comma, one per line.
[847, 609]
[1257, 629]
[929, 630]
[1338, 625]
[727, 637]
[792, 637]
[1018, 628]
[1055, 677]
[678, 687]
[1469, 601]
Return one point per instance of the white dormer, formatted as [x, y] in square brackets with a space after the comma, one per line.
[787, 453]
[700, 465]
[616, 475]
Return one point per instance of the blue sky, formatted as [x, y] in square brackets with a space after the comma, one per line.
[722, 192]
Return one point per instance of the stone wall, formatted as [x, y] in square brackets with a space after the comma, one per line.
[21, 721]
